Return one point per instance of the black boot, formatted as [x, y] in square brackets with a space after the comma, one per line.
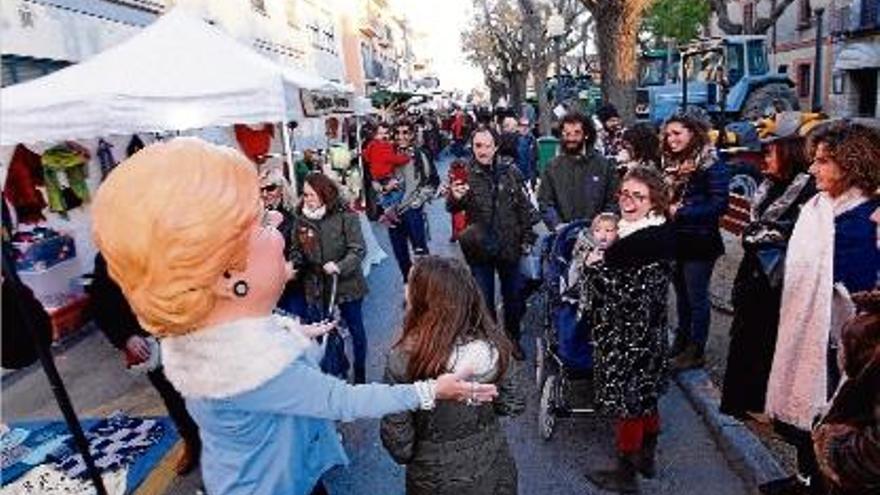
[648, 457]
[622, 479]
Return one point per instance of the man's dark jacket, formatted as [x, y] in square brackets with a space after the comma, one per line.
[514, 214]
[577, 187]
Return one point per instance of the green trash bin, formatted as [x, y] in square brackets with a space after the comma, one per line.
[548, 147]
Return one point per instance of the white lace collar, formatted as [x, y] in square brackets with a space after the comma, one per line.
[232, 358]
[627, 227]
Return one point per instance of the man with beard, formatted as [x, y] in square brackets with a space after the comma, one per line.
[579, 183]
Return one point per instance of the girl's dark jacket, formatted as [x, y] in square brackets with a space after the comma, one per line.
[454, 449]
[336, 237]
[703, 196]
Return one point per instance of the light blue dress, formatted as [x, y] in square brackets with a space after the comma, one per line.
[277, 438]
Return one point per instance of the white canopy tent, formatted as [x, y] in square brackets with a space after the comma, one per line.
[178, 73]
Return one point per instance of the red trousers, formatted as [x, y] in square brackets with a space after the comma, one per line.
[630, 432]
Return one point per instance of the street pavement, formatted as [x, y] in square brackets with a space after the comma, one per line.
[689, 460]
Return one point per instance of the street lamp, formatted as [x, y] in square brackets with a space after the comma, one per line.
[555, 30]
[817, 65]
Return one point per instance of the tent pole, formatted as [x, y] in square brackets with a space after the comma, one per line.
[288, 158]
[57, 386]
[360, 149]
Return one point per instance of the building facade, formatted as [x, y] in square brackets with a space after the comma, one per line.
[855, 91]
[850, 46]
[40, 37]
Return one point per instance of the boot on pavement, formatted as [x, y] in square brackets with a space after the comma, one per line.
[621, 479]
[692, 357]
[648, 456]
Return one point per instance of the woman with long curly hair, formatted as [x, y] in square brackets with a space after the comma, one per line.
[757, 289]
[833, 252]
[699, 183]
[456, 449]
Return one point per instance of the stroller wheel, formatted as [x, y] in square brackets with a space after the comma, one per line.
[546, 409]
[540, 363]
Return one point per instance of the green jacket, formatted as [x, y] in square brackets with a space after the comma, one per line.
[337, 237]
[577, 188]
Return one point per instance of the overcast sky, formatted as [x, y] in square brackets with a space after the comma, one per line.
[443, 21]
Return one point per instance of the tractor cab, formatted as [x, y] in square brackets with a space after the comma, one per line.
[727, 77]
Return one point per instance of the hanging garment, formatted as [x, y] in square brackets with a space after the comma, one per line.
[134, 145]
[24, 175]
[254, 142]
[47, 480]
[114, 442]
[105, 158]
[68, 160]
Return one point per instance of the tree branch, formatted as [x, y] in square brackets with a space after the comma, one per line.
[719, 7]
[764, 24]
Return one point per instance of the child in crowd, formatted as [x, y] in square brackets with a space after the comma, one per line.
[456, 449]
[384, 162]
[590, 246]
[458, 174]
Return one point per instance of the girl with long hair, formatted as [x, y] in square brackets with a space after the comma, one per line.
[699, 193]
[458, 448]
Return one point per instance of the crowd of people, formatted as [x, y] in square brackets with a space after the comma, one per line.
[216, 273]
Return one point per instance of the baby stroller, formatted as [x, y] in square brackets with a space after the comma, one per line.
[564, 351]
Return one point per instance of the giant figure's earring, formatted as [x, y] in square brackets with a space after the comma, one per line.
[240, 288]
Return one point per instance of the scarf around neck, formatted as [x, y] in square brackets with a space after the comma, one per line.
[627, 227]
[232, 358]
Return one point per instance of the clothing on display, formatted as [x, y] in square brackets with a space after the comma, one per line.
[66, 162]
[24, 176]
[39, 444]
[254, 141]
[47, 480]
[105, 157]
[135, 145]
[114, 442]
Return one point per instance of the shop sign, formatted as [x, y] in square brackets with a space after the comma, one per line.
[319, 103]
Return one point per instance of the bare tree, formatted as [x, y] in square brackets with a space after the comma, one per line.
[496, 31]
[761, 24]
[617, 39]
[481, 51]
[540, 50]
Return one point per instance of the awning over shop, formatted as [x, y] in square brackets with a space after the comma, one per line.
[855, 56]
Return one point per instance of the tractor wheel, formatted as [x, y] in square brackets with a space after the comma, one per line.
[769, 100]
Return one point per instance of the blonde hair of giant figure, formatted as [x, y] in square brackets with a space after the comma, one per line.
[171, 221]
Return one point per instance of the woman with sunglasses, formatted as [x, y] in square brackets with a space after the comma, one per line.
[625, 295]
[327, 242]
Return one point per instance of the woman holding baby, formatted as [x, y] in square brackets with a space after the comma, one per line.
[624, 293]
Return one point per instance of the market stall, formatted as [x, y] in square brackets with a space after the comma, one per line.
[62, 133]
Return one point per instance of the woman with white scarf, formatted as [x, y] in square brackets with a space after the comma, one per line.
[626, 294]
[833, 252]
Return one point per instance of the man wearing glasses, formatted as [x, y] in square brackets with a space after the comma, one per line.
[579, 183]
[406, 222]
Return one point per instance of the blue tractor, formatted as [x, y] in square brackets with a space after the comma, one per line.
[727, 77]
